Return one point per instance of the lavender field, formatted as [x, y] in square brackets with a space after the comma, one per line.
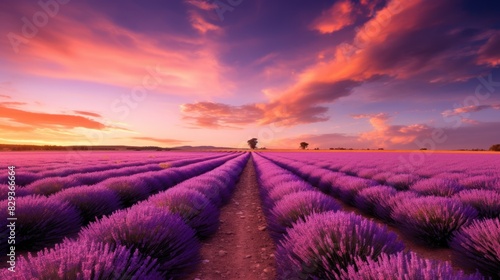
[329, 215]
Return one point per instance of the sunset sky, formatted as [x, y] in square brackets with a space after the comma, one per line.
[351, 73]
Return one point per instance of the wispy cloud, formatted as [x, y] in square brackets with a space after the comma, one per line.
[40, 120]
[340, 15]
[217, 115]
[101, 51]
[89, 114]
[469, 109]
[384, 134]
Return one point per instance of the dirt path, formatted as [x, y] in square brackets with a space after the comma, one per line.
[241, 248]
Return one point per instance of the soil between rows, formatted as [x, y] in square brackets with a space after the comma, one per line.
[242, 247]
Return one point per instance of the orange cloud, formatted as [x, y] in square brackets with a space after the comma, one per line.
[100, 51]
[340, 15]
[386, 135]
[47, 120]
[89, 114]
[469, 109]
[217, 115]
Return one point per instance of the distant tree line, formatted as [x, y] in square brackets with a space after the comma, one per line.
[495, 148]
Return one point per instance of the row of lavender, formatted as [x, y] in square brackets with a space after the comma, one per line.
[62, 170]
[457, 171]
[469, 222]
[36, 162]
[51, 185]
[318, 241]
[155, 239]
[42, 161]
[47, 220]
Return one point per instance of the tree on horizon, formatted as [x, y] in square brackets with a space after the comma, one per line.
[304, 145]
[252, 143]
[495, 148]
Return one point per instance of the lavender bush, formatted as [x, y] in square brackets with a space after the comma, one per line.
[436, 187]
[194, 208]
[326, 243]
[93, 202]
[328, 180]
[48, 186]
[404, 266]
[83, 260]
[402, 181]
[486, 202]
[384, 207]
[294, 207]
[282, 189]
[479, 242]
[129, 189]
[212, 192]
[433, 219]
[155, 233]
[367, 199]
[481, 182]
[41, 222]
[347, 187]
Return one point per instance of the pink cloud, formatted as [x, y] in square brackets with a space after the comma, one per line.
[469, 109]
[489, 53]
[101, 51]
[202, 5]
[217, 115]
[386, 135]
[89, 114]
[201, 24]
[41, 120]
[340, 15]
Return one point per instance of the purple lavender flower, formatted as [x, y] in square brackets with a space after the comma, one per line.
[93, 202]
[479, 242]
[4, 191]
[382, 177]
[194, 208]
[325, 243]
[368, 173]
[436, 187]
[479, 182]
[156, 233]
[486, 202]
[347, 187]
[383, 209]
[367, 199]
[25, 178]
[433, 219]
[210, 191]
[82, 260]
[404, 266]
[296, 206]
[129, 189]
[315, 176]
[328, 180]
[48, 186]
[401, 181]
[41, 222]
[282, 189]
